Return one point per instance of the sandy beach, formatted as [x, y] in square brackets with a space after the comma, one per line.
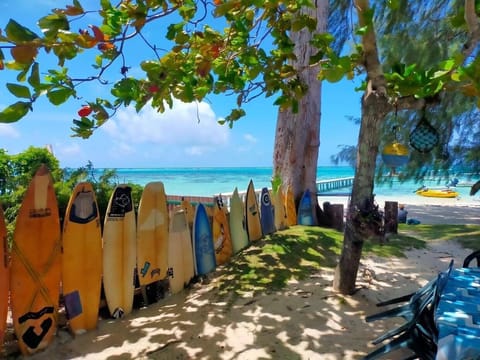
[307, 320]
[428, 210]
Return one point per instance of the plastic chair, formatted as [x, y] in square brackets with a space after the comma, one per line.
[470, 258]
[419, 332]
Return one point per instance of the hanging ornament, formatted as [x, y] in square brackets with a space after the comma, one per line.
[395, 154]
[424, 137]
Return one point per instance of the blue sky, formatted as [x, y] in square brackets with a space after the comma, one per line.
[172, 139]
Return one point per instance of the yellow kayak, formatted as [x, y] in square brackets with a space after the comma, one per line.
[439, 193]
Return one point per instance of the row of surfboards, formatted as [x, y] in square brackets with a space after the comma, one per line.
[46, 260]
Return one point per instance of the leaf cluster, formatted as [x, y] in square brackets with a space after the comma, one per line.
[247, 58]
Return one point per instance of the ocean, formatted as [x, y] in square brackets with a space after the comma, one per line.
[214, 181]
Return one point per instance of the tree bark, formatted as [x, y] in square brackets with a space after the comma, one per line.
[361, 213]
[297, 136]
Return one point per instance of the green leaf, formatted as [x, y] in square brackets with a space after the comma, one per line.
[19, 91]
[34, 78]
[14, 112]
[18, 33]
[53, 23]
[59, 96]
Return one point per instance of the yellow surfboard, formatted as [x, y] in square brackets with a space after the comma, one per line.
[82, 254]
[189, 212]
[180, 253]
[36, 265]
[290, 207]
[278, 201]
[252, 214]
[222, 241]
[4, 278]
[152, 234]
[119, 252]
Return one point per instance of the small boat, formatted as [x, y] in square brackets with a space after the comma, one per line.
[439, 193]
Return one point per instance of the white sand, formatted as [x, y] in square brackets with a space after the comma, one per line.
[305, 321]
[465, 210]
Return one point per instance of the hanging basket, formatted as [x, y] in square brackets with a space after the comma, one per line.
[424, 137]
[395, 154]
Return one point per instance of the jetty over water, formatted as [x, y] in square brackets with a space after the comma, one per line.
[326, 186]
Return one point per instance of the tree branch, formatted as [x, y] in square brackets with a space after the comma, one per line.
[375, 76]
[471, 19]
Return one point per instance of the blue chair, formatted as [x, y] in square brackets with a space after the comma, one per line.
[419, 332]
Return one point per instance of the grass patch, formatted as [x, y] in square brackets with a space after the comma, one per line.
[298, 252]
[270, 263]
[467, 235]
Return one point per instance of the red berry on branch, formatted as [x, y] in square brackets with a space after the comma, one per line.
[85, 111]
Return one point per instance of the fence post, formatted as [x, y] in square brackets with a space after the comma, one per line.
[391, 217]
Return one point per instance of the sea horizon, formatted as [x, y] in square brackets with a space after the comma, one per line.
[211, 181]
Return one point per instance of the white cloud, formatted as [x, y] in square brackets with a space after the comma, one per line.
[250, 138]
[67, 149]
[190, 128]
[7, 130]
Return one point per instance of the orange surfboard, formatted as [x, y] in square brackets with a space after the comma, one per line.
[82, 254]
[290, 207]
[252, 214]
[36, 265]
[152, 234]
[4, 278]
[222, 242]
[119, 252]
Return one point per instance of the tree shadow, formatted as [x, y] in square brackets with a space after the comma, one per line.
[272, 301]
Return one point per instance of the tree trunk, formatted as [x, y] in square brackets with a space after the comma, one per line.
[297, 136]
[362, 213]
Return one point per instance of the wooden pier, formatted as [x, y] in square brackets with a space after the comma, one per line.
[325, 186]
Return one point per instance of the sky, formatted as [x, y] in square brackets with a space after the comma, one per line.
[175, 138]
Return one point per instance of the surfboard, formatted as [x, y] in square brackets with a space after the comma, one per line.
[254, 227]
[180, 253]
[4, 278]
[222, 240]
[305, 210]
[36, 265]
[279, 212]
[189, 211]
[119, 252]
[237, 224]
[203, 251]
[82, 254]
[290, 207]
[266, 212]
[152, 234]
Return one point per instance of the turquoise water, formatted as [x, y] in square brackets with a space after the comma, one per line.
[211, 181]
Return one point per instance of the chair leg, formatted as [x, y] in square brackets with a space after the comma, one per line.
[474, 255]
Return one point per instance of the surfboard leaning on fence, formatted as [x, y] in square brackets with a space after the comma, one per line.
[36, 265]
[82, 254]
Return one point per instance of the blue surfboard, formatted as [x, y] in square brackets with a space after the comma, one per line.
[203, 250]
[266, 212]
[305, 210]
